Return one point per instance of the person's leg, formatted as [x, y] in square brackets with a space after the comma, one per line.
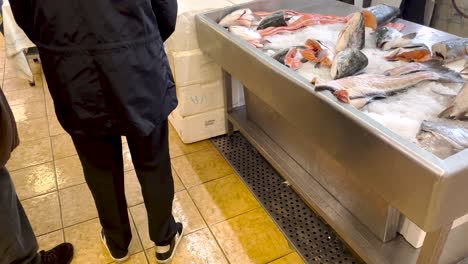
[413, 10]
[17, 241]
[101, 158]
[152, 163]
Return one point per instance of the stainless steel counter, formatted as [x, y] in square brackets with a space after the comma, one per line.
[355, 172]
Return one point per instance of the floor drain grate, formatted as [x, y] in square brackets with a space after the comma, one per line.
[314, 239]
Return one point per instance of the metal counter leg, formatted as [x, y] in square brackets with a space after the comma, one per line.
[227, 85]
[434, 245]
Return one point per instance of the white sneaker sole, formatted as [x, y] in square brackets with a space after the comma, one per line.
[103, 240]
[175, 248]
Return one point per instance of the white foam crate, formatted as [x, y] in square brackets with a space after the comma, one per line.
[415, 235]
[193, 67]
[199, 98]
[199, 127]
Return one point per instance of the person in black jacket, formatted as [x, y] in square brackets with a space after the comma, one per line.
[108, 74]
[17, 241]
[413, 10]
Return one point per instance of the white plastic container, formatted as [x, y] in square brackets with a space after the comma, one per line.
[199, 127]
[193, 67]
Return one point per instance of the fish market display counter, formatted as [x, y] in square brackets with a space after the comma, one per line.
[357, 174]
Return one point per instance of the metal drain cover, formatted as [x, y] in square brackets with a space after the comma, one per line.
[313, 238]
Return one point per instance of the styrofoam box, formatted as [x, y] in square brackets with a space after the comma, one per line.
[415, 235]
[194, 5]
[199, 127]
[198, 98]
[185, 37]
[193, 67]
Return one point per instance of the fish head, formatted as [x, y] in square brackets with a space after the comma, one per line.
[241, 17]
[385, 35]
[343, 96]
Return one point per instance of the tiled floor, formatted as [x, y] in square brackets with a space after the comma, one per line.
[224, 222]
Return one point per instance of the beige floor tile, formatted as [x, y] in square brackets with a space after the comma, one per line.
[139, 258]
[43, 213]
[11, 72]
[196, 248]
[127, 157]
[77, 205]
[223, 198]
[36, 67]
[69, 172]
[88, 246]
[178, 185]
[178, 148]
[62, 146]
[13, 84]
[34, 181]
[141, 222]
[50, 240]
[183, 208]
[54, 126]
[29, 111]
[251, 238]
[292, 258]
[25, 96]
[48, 96]
[200, 167]
[132, 189]
[30, 153]
[10, 66]
[50, 108]
[33, 129]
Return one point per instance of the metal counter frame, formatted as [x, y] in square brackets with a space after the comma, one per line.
[357, 174]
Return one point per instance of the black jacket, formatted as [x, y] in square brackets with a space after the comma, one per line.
[104, 61]
[8, 133]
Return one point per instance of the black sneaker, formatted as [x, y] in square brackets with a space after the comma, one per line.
[61, 254]
[165, 253]
[118, 258]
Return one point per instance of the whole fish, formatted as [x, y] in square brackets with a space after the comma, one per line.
[377, 86]
[318, 52]
[450, 50]
[353, 35]
[348, 62]
[417, 54]
[459, 108]
[384, 13]
[240, 17]
[443, 137]
[435, 66]
[277, 19]
[249, 35]
[389, 38]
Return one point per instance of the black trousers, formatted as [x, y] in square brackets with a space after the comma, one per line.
[18, 244]
[413, 10]
[102, 161]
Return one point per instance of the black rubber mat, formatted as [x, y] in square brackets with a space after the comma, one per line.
[314, 239]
